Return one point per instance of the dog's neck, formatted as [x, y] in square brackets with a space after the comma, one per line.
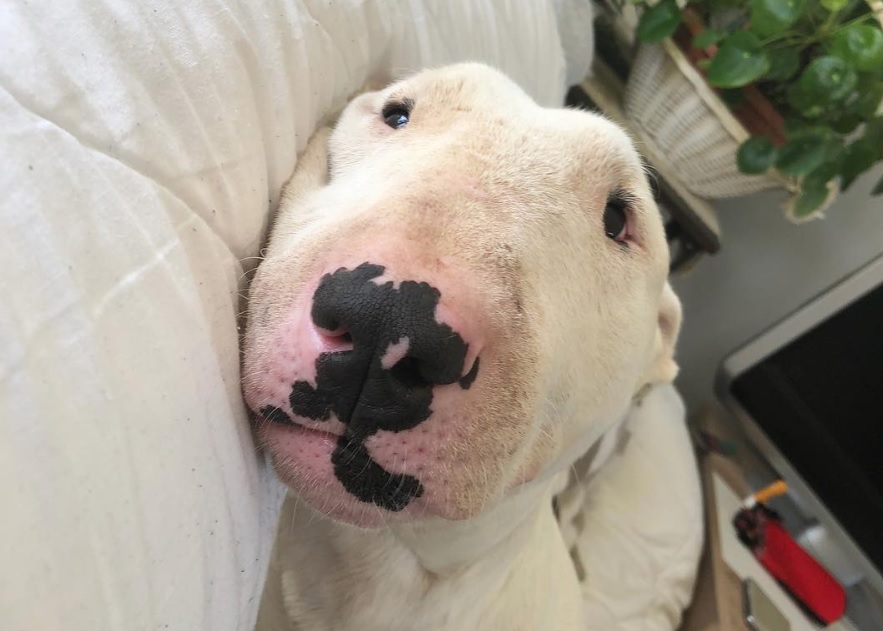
[437, 574]
[443, 547]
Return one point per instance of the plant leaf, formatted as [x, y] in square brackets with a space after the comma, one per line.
[861, 45]
[846, 123]
[756, 155]
[793, 127]
[874, 133]
[769, 17]
[858, 158]
[659, 22]
[784, 64]
[878, 187]
[826, 80]
[708, 37]
[822, 175]
[739, 61]
[796, 128]
[835, 150]
[834, 5]
[801, 155]
[803, 103]
[812, 196]
[870, 93]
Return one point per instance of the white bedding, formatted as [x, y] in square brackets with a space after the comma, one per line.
[642, 523]
[143, 144]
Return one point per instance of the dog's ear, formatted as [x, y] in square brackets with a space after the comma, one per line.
[663, 368]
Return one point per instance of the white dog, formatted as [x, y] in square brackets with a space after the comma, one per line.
[463, 292]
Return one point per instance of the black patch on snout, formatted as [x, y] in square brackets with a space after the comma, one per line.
[275, 415]
[364, 395]
[370, 482]
[469, 377]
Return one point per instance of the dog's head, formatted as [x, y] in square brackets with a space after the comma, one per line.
[475, 296]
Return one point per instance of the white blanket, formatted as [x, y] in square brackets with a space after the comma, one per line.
[143, 146]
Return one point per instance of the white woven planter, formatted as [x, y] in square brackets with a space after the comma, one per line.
[673, 107]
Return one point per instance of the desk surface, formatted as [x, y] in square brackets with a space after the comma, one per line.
[717, 603]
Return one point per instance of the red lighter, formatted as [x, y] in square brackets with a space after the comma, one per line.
[812, 587]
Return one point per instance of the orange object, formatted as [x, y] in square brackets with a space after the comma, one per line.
[777, 488]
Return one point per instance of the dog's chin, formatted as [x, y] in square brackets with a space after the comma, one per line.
[336, 506]
[302, 460]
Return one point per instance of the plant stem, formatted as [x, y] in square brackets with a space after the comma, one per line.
[857, 20]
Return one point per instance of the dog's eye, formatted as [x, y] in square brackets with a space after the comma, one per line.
[397, 115]
[616, 219]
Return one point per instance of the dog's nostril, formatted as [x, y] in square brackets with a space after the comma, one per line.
[407, 372]
[337, 339]
[329, 325]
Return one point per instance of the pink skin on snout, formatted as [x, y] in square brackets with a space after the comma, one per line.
[302, 452]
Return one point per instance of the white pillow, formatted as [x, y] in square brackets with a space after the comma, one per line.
[642, 523]
[143, 144]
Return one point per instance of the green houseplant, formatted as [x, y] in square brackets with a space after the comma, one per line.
[806, 77]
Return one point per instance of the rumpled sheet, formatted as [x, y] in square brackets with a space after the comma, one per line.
[640, 526]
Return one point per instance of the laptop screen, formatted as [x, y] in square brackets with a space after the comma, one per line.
[819, 399]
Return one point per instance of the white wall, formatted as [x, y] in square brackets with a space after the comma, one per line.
[766, 268]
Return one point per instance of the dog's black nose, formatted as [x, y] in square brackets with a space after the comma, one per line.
[394, 352]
